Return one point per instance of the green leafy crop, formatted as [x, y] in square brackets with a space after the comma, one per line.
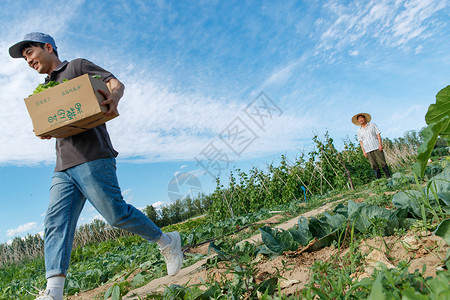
[43, 86]
[440, 110]
[438, 120]
[443, 231]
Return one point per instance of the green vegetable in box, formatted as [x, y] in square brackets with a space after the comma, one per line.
[43, 86]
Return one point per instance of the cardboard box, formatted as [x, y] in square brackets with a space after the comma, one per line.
[69, 108]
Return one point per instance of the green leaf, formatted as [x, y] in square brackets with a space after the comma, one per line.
[325, 241]
[159, 297]
[278, 241]
[108, 293]
[326, 229]
[406, 222]
[43, 86]
[303, 224]
[361, 214]
[222, 255]
[337, 221]
[303, 235]
[409, 201]
[342, 210]
[140, 278]
[319, 228]
[175, 291]
[377, 289]
[115, 293]
[430, 136]
[443, 230]
[440, 110]
[439, 287]
[268, 286]
[210, 293]
[267, 235]
[442, 184]
[411, 294]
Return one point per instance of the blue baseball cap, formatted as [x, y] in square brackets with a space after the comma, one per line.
[16, 50]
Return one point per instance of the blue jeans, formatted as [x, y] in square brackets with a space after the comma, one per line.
[96, 181]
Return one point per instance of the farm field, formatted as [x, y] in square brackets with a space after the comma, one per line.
[318, 228]
[266, 250]
[294, 273]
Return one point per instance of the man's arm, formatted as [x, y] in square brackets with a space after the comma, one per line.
[362, 148]
[380, 145]
[112, 98]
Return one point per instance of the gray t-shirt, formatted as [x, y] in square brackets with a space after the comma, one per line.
[91, 144]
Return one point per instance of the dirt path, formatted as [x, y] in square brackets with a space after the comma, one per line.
[191, 274]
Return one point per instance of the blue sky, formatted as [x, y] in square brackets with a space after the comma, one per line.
[196, 71]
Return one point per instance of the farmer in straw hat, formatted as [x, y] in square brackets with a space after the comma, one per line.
[370, 140]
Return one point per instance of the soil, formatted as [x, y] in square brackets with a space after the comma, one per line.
[425, 249]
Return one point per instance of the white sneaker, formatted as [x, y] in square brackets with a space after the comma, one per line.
[43, 295]
[172, 254]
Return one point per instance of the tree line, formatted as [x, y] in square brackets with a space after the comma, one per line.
[179, 210]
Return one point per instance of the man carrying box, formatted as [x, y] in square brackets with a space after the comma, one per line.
[85, 169]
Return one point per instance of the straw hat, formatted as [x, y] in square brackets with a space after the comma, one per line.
[355, 118]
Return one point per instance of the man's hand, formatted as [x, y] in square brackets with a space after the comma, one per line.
[112, 101]
[380, 143]
[365, 154]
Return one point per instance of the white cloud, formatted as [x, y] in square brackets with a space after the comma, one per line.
[157, 205]
[410, 22]
[159, 124]
[98, 217]
[198, 173]
[407, 119]
[126, 192]
[127, 195]
[155, 124]
[419, 49]
[21, 229]
[160, 121]
[21, 146]
[280, 76]
[392, 23]
[283, 74]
